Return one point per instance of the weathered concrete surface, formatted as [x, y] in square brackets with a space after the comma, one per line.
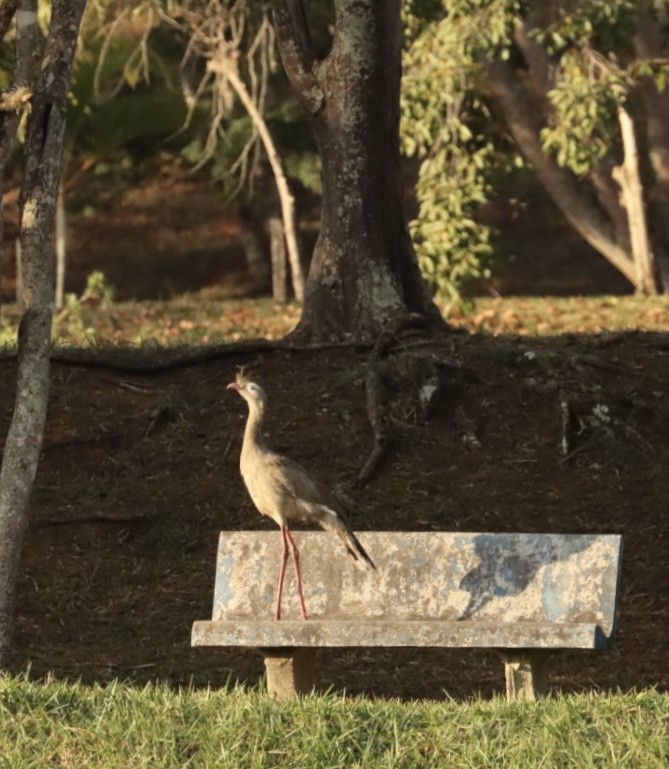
[430, 589]
[526, 674]
[289, 671]
[326, 633]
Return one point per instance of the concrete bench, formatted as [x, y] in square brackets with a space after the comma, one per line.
[525, 595]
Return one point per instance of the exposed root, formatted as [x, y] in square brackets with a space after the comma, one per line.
[82, 520]
[586, 422]
[377, 396]
[467, 427]
[571, 432]
[377, 410]
[152, 359]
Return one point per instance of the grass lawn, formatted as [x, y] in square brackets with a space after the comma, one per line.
[69, 725]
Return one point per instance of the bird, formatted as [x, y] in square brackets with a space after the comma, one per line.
[283, 490]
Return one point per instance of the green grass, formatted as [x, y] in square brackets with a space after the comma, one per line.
[64, 725]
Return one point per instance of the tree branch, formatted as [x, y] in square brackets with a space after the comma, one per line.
[7, 11]
[588, 220]
[378, 410]
[297, 54]
[223, 66]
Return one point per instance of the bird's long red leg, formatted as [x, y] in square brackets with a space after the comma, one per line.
[282, 573]
[298, 575]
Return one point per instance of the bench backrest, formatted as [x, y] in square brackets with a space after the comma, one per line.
[544, 578]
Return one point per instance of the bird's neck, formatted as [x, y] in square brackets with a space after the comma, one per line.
[253, 437]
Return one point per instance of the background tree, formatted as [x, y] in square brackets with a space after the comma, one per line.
[45, 134]
[236, 43]
[224, 53]
[363, 271]
[579, 87]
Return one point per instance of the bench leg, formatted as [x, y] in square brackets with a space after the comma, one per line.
[289, 671]
[526, 674]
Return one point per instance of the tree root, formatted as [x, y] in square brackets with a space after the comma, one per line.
[377, 410]
[153, 359]
[82, 520]
[377, 396]
[586, 422]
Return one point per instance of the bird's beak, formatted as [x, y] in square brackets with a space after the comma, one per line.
[232, 386]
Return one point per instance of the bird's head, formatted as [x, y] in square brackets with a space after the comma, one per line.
[252, 392]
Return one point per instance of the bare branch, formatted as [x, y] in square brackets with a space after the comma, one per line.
[296, 52]
[7, 11]
[285, 197]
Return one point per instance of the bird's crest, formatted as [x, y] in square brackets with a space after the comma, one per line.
[241, 377]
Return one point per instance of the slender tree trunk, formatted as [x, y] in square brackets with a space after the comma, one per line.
[285, 197]
[650, 43]
[255, 251]
[19, 273]
[61, 247]
[364, 271]
[278, 252]
[43, 161]
[628, 177]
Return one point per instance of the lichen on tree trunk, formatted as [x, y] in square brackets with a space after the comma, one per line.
[364, 271]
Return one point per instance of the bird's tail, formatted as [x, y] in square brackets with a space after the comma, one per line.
[355, 549]
[331, 520]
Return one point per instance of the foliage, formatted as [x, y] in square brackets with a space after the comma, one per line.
[76, 318]
[115, 103]
[125, 86]
[143, 77]
[56, 724]
[586, 99]
[604, 25]
[591, 84]
[445, 127]
[592, 71]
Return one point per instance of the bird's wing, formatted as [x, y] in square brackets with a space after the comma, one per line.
[309, 497]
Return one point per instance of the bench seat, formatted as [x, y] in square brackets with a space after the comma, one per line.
[350, 633]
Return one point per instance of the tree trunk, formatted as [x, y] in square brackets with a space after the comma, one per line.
[650, 43]
[364, 271]
[256, 248]
[39, 192]
[278, 251]
[627, 176]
